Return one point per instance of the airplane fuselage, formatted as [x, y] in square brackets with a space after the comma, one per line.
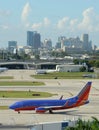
[54, 104]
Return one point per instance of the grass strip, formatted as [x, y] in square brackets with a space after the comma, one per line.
[20, 83]
[6, 77]
[61, 75]
[3, 107]
[24, 94]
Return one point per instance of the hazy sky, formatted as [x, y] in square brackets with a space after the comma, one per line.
[51, 18]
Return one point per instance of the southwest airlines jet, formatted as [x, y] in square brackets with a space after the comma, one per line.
[41, 106]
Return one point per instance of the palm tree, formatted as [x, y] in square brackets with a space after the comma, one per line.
[86, 125]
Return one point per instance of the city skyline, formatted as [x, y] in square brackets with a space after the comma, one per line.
[49, 18]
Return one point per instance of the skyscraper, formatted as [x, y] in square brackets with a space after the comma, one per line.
[12, 46]
[36, 40]
[33, 39]
[86, 44]
[47, 44]
[85, 38]
[29, 38]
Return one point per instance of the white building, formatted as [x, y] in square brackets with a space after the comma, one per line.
[69, 68]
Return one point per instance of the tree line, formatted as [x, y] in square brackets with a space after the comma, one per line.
[89, 63]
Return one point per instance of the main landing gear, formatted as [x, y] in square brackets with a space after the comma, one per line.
[50, 111]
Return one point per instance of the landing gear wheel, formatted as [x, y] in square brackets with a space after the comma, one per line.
[50, 111]
[18, 112]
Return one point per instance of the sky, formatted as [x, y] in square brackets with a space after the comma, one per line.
[50, 18]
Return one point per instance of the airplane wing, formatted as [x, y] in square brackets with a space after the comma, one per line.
[43, 109]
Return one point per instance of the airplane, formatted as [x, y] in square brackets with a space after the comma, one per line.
[42, 106]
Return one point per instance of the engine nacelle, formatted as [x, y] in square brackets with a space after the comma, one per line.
[40, 110]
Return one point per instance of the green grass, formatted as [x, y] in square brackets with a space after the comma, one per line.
[24, 94]
[20, 83]
[6, 77]
[3, 107]
[61, 75]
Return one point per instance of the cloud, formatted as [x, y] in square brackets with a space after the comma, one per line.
[4, 27]
[62, 23]
[46, 21]
[36, 25]
[25, 12]
[89, 23]
[73, 22]
[5, 13]
[73, 25]
[89, 20]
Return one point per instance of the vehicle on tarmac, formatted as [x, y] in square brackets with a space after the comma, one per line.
[2, 69]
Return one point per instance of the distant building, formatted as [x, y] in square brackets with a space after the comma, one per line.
[29, 38]
[20, 49]
[47, 44]
[58, 45]
[69, 68]
[24, 49]
[12, 46]
[71, 50]
[85, 38]
[70, 42]
[36, 40]
[27, 49]
[33, 39]
[74, 45]
[86, 43]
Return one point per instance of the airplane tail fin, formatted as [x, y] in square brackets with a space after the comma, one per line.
[84, 93]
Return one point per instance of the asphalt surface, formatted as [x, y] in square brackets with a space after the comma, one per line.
[66, 87]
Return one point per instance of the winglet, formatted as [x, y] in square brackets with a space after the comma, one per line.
[61, 97]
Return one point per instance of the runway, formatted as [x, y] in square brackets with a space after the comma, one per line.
[67, 88]
[30, 117]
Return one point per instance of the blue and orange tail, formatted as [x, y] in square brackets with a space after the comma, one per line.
[84, 93]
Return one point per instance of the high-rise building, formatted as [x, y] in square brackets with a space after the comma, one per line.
[47, 44]
[36, 40]
[87, 45]
[29, 38]
[12, 46]
[33, 39]
[85, 38]
[58, 45]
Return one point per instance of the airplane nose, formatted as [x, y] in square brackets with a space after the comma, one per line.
[11, 107]
[15, 105]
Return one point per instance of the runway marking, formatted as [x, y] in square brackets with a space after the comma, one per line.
[95, 94]
[96, 89]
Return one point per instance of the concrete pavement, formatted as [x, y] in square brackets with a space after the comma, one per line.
[60, 86]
